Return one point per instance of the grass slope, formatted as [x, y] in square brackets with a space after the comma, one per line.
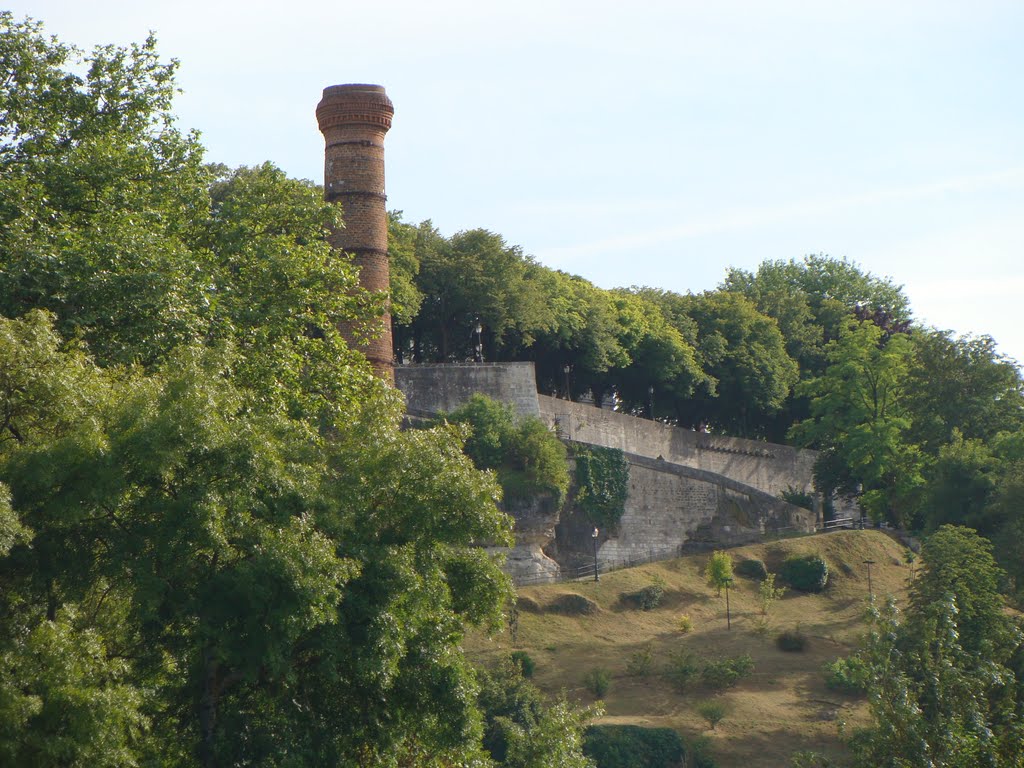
[782, 707]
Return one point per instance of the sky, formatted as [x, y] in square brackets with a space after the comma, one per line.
[652, 143]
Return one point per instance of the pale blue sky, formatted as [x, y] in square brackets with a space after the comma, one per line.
[653, 144]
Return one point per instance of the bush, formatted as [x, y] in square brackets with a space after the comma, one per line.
[849, 675]
[525, 662]
[725, 673]
[684, 624]
[640, 662]
[631, 746]
[712, 711]
[798, 498]
[647, 599]
[768, 594]
[683, 669]
[751, 569]
[571, 604]
[792, 641]
[598, 681]
[807, 573]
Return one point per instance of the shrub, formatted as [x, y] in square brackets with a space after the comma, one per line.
[768, 594]
[712, 711]
[598, 681]
[809, 759]
[792, 641]
[848, 675]
[725, 673]
[640, 662]
[684, 624]
[807, 573]
[631, 746]
[526, 604]
[751, 569]
[683, 669]
[571, 604]
[525, 662]
[650, 597]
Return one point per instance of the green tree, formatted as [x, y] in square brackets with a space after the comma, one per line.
[860, 422]
[718, 571]
[942, 686]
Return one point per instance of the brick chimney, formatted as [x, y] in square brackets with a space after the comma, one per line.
[353, 119]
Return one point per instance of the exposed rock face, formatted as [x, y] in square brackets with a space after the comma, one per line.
[535, 529]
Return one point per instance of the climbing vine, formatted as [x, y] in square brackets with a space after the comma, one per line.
[602, 482]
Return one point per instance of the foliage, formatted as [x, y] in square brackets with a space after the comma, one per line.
[860, 422]
[524, 662]
[807, 573]
[526, 455]
[646, 599]
[598, 681]
[631, 746]
[216, 544]
[640, 662]
[602, 483]
[848, 674]
[712, 710]
[792, 641]
[683, 669]
[522, 730]
[684, 624]
[798, 498]
[810, 759]
[944, 682]
[751, 568]
[726, 672]
[768, 594]
[718, 571]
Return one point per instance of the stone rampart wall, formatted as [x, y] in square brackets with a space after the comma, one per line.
[769, 467]
[430, 389]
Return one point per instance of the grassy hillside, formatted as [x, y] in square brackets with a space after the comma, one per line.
[782, 707]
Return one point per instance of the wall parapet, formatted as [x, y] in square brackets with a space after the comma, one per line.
[770, 467]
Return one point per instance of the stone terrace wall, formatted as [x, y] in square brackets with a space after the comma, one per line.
[430, 389]
[768, 467]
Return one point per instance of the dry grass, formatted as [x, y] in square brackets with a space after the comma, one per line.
[783, 707]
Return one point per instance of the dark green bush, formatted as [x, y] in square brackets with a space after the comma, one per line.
[525, 662]
[792, 641]
[571, 604]
[646, 599]
[849, 675]
[725, 673]
[807, 573]
[751, 569]
[630, 746]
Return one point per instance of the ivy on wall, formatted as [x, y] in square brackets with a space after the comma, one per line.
[602, 482]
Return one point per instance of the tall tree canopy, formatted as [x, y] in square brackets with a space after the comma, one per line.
[216, 545]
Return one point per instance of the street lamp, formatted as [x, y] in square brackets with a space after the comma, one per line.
[594, 535]
[728, 613]
[650, 402]
[871, 594]
[568, 394]
[478, 351]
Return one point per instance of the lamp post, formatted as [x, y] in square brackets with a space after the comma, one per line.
[650, 402]
[594, 535]
[478, 350]
[728, 612]
[568, 393]
[871, 593]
